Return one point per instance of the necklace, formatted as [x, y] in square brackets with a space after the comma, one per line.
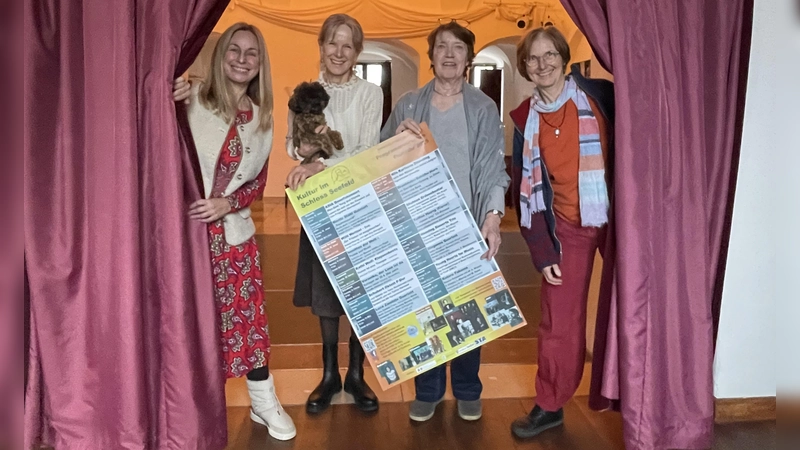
[557, 127]
[447, 95]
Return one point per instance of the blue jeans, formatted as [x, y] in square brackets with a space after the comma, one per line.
[431, 385]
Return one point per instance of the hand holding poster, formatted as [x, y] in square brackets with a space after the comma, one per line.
[402, 252]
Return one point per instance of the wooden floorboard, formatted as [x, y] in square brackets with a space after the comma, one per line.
[747, 436]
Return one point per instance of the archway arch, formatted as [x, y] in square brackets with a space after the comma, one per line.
[404, 62]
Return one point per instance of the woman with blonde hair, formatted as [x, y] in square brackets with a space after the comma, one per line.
[354, 110]
[230, 115]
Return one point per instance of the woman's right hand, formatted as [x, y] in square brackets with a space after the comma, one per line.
[409, 124]
[552, 274]
[181, 89]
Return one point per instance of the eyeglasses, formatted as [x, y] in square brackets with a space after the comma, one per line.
[547, 58]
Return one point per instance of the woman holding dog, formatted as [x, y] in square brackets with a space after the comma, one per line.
[355, 111]
[230, 115]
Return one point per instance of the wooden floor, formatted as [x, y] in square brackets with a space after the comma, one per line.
[343, 427]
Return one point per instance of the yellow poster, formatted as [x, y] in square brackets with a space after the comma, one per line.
[403, 254]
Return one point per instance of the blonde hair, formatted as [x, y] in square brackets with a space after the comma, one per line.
[216, 93]
[333, 22]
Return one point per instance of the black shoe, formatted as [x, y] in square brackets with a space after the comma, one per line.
[331, 383]
[537, 421]
[354, 384]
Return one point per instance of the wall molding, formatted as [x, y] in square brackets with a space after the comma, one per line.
[727, 410]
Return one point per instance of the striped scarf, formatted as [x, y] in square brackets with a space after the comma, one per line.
[591, 172]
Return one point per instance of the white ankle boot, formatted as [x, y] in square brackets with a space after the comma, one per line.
[267, 410]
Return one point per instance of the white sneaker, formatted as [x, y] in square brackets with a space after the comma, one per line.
[266, 410]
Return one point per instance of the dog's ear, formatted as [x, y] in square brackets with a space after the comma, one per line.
[293, 106]
[323, 100]
[302, 98]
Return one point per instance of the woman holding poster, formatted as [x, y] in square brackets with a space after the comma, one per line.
[354, 110]
[466, 126]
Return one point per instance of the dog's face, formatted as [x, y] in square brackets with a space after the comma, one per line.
[309, 98]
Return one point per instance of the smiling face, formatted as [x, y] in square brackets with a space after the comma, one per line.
[449, 56]
[545, 65]
[242, 61]
[338, 52]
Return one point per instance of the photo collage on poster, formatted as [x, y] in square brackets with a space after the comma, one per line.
[446, 328]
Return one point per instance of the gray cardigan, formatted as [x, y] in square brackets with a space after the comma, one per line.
[486, 139]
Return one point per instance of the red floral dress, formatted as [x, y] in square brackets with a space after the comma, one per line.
[238, 283]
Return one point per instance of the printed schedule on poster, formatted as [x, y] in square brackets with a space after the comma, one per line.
[403, 254]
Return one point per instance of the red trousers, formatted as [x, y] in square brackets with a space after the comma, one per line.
[562, 330]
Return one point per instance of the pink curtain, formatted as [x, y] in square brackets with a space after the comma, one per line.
[680, 71]
[123, 347]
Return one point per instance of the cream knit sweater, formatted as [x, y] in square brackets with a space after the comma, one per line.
[355, 110]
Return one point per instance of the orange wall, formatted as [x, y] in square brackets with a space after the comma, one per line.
[295, 57]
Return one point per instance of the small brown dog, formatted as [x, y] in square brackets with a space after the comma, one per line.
[308, 102]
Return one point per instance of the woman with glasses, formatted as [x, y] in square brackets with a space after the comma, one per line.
[562, 142]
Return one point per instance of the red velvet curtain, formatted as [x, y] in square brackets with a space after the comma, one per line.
[680, 74]
[124, 347]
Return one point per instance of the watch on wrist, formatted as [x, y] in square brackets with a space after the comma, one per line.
[495, 212]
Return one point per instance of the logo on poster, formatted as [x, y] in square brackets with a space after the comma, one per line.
[339, 173]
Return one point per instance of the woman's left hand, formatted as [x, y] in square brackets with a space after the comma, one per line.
[491, 232]
[181, 90]
[301, 173]
[409, 124]
[209, 210]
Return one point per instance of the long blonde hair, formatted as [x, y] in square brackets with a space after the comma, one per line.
[216, 93]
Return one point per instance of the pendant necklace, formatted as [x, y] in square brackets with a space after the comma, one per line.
[447, 95]
[557, 127]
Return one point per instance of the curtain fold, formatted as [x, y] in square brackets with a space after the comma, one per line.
[123, 347]
[591, 17]
[379, 18]
[680, 73]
